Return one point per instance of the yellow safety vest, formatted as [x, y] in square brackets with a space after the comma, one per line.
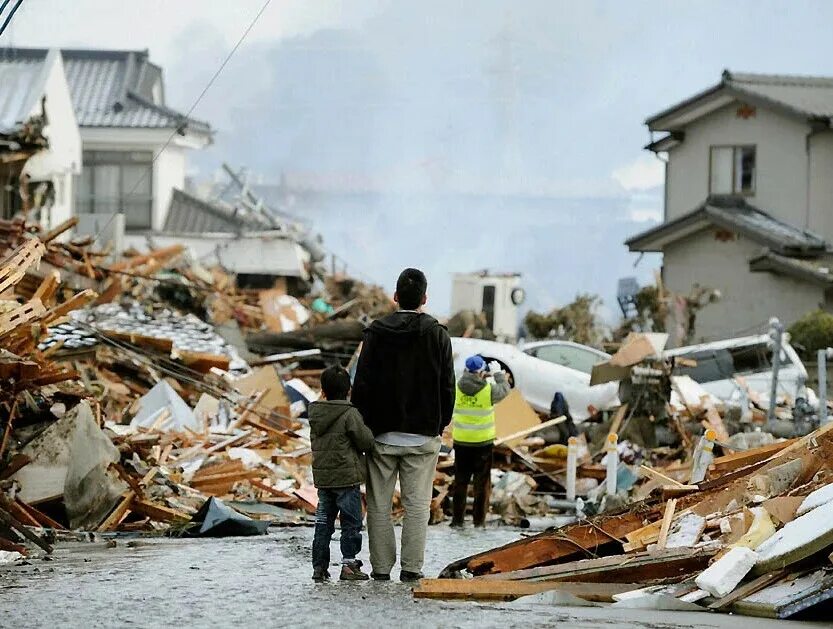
[474, 417]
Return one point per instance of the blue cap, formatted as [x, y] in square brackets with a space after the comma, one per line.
[475, 363]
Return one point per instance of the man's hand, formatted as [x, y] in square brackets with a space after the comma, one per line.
[494, 367]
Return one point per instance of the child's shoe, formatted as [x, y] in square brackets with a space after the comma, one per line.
[320, 575]
[352, 572]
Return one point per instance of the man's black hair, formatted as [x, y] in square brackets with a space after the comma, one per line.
[335, 382]
[410, 288]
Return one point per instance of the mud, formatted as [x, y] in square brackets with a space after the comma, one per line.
[265, 582]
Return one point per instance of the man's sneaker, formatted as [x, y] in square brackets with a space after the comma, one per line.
[456, 525]
[320, 574]
[378, 576]
[352, 572]
[409, 577]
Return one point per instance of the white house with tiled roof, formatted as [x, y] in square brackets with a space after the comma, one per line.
[118, 101]
[748, 199]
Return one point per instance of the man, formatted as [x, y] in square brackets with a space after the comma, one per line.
[473, 430]
[404, 389]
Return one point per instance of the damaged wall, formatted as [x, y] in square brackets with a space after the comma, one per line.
[781, 162]
[748, 300]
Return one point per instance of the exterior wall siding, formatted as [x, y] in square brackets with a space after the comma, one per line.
[781, 162]
[748, 300]
[821, 184]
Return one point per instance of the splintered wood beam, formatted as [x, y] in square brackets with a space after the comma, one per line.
[48, 287]
[20, 316]
[671, 565]
[670, 508]
[662, 479]
[14, 267]
[576, 539]
[74, 303]
[60, 229]
[501, 590]
[116, 515]
[156, 512]
[10, 521]
[39, 516]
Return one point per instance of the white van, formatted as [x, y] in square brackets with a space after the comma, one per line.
[750, 357]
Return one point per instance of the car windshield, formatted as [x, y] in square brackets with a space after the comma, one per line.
[568, 356]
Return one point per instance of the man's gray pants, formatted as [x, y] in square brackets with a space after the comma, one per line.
[414, 466]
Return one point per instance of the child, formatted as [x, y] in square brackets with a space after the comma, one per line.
[339, 439]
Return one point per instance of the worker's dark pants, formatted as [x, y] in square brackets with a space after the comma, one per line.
[471, 461]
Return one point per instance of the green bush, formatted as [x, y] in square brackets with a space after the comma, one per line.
[814, 331]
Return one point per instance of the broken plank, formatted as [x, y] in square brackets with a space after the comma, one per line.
[670, 508]
[40, 517]
[575, 539]
[157, 512]
[616, 422]
[730, 462]
[116, 515]
[662, 479]
[531, 430]
[670, 565]
[502, 590]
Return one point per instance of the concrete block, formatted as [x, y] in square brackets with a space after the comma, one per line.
[723, 576]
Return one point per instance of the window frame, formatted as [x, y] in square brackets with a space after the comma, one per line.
[91, 159]
[735, 148]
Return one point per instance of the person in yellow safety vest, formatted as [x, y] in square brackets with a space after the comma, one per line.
[473, 430]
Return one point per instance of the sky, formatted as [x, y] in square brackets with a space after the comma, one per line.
[525, 99]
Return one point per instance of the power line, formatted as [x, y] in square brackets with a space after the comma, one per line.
[194, 106]
[11, 13]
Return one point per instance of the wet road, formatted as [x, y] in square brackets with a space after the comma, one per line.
[266, 582]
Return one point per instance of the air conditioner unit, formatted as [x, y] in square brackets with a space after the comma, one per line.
[108, 230]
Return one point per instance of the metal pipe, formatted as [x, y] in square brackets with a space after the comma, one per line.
[776, 333]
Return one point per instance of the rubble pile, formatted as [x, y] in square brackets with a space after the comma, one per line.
[122, 412]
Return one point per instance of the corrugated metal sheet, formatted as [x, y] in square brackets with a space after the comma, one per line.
[21, 78]
[188, 214]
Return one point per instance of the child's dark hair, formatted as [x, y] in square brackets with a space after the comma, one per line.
[335, 382]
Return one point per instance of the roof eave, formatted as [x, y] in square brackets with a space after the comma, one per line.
[655, 239]
[769, 262]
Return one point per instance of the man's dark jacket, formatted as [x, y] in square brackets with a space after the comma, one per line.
[405, 375]
[339, 439]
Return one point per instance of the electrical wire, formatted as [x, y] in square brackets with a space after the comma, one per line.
[11, 14]
[211, 81]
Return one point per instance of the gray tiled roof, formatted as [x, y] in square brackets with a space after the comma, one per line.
[804, 96]
[188, 214]
[109, 89]
[112, 88]
[22, 78]
[736, 214]
[808, 95]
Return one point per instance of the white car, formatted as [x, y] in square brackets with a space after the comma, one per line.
[538, 379]
[567, 354]
[749, 357]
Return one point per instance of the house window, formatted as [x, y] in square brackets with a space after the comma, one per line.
[117, 181]
[732, 170]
